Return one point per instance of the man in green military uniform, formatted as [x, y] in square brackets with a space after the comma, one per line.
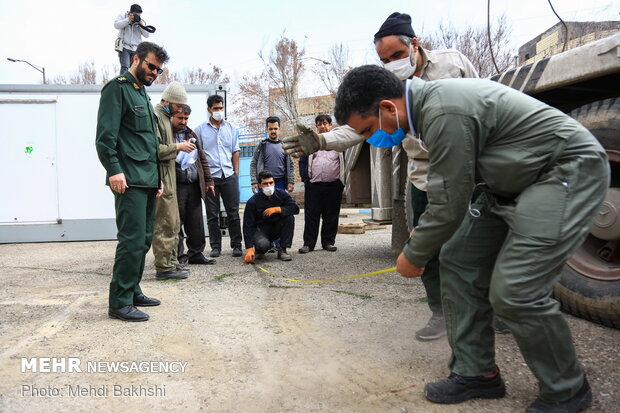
[167, 219]
[128, 150]
[543, 177]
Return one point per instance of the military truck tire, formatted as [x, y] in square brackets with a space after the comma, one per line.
[589, 286]
[408, 207]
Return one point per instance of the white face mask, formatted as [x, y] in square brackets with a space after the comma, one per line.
[402, 68]
[269, 190]
[218, 115]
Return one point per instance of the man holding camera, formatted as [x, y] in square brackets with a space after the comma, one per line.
[130, 32]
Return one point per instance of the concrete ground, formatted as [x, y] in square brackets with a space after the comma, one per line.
[248, 341]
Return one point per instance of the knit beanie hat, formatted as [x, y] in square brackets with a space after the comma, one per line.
[396, 23]
[175, 93]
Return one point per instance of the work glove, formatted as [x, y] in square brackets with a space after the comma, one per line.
[249, 255]
[273, 210]
[306, 143]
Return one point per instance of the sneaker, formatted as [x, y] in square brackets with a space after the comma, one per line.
[575, 404]
[434, 329]
[237, 252]
[283, 255]
[215, 252]
[457, 389]
[171, 275]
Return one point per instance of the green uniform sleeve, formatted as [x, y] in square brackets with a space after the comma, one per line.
[108, 127]
[450, 142]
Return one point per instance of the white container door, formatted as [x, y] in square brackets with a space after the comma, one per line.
[28, 180]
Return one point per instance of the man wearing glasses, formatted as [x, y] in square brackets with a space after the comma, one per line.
[128, 149]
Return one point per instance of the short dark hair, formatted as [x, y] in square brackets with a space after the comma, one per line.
[362, 89]
[145, 48]
[186, 109]
[272, 119]
[264, 174]
[135, 8]
[213, 99]
[323, 117]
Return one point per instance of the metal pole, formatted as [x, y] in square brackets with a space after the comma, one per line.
[40, 69]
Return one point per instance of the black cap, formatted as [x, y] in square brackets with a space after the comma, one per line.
[135, 8]
[396, 23]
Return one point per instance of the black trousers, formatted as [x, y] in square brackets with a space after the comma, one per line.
[282, 227]
[228, 190]
[321, 200]
[192, 226]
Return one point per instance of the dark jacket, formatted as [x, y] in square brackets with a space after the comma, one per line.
[253, 215]
[258, 164]
[202, 166]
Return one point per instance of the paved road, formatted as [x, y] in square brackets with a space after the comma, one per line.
[248, 341]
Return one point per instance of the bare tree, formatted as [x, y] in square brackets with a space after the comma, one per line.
[473, 42]
[252, 102]
[200, 77]
[105, 74]
[194, 76]
[274, 91]
[283, 70]
[165, 77]
[331, 74]
[86, 74]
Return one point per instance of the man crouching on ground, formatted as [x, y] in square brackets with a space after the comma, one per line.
[268, 216]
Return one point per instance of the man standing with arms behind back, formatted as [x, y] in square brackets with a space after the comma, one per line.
[128, 150]
[220, 141]
[323, 177]
[270, 156]
[398, 49]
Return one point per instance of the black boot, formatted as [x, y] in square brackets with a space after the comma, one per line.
[457, 389]
[575, 404]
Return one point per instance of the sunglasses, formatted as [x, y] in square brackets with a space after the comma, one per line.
[152, 67]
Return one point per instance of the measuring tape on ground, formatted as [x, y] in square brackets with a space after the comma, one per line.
[368, 274]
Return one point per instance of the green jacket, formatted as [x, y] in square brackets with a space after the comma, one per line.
[481, 133]
[126, 138]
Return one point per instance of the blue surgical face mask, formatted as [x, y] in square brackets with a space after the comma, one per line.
[382, 139]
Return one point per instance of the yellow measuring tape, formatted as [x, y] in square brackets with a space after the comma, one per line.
[368, 274]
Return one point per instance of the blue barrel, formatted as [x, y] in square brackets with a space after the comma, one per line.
[245, 186]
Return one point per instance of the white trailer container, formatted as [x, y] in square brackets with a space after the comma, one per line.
[52, 183]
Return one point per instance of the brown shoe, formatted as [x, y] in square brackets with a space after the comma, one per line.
[330, 248]
[304, 250]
